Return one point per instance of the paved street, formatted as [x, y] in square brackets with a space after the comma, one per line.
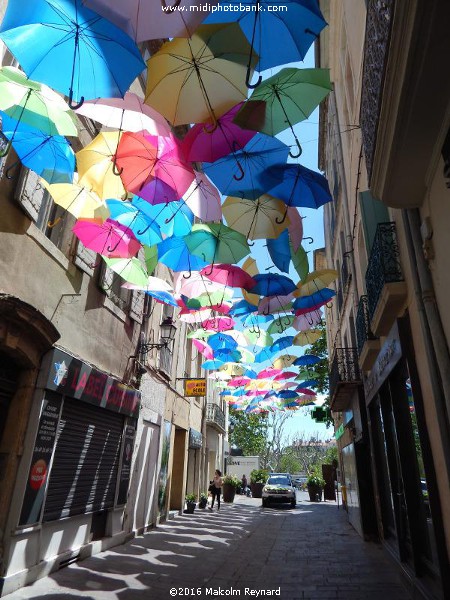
[307, 553]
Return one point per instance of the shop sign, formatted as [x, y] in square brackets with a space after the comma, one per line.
[195, 387]
[339, 431]
[389, 355]
[40, 462]
[127, 455]
[195, 439]
[72, 377]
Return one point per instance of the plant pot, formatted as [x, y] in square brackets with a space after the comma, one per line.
[315, 493]
[190, 507]
[229, 492]
[203, 502]
[257, 489]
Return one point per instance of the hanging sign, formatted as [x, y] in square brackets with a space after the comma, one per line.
[195, 387]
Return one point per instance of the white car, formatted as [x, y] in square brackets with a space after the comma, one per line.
[279, 488]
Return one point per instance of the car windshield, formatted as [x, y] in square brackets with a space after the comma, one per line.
[278, 480]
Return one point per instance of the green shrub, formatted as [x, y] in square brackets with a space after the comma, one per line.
[232, 480]
[259, 476]
[191, 498]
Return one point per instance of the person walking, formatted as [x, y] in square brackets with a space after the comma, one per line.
[244, 484]
[216, 489]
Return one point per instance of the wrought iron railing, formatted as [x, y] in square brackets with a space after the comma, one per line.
[378, 30]
[384, 264]
[363, 331]
[344, 368]
[215, 415]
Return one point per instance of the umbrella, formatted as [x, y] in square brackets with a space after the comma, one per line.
[314, 300]
[175, 254]
[283, 100]
[256, 219]
[265, 24]
[200, 334]
[144, 20]
[96, 166]
[195, 285]
[203, 199]
[300, 262]
[258, 337]
[306, 321]
[216, 242]
[317, 280]
[272, 284]
[306, 360]
[280, 324]
[108, 238]
[273, 304]
[72, 49]
[242, 307]
[212, 365]
[125, 114]
[245, 173]
[284, 361]
[233, 369]
[203, 348]
[146, 231]
[202, 145]
[34, 104]
[303, 338]
[228, 356]
[130, 269]
[285, 375]
[238, 381]
[78, 201]
[207, 299]
[228, 275]
[282, 343]
[152, 167]
[218, 324]
[162, 297]
[196, 316]
[250, 267]
[238, 337]
[269, 372]
[152, 284]
[246, 355]
[199, 79]
[173, 219]
[50, 156]
[219, 341]
[255, 321]
[280, 251]
[295, 228]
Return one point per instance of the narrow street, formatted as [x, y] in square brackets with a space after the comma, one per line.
[309, 553]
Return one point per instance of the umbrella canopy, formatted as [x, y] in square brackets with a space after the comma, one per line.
[203, 348]
[295, 228]
[275, 304]
[306, 360]
[280, 251]
[304, 338]
[306, 321]
[78, 201]
[228, 275]
[245, 173]
[314, 300]
[69, 47]
[280, 324]
[242, 307]
[108, 238]
[300, 262]
[233, 369]
[317, 280]
[285, 375]
[212, 365]
[125, 114]
[216, 242]
[284, 361]
[173, 219]
[199, 79]
[256, 219]
[269, 372]
[218, 324]
[35, 104]
[258, 337]
[153, 167]
[195, 285]
[95, 164]
[162, 297]
[220, 341]
[272, 284]
[145, 229]
[130, 269]
[300, 186]
[152, 284]
[50, 156]
[175, 254]
[144, 20]
[202, 145]
[203, 199]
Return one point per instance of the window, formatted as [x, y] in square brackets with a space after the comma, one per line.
[111, 284]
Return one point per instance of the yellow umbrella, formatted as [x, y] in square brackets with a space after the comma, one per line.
[316, 281]
[198, 79]
[81, 202]
[303, 338]
[233, 369]
[96, 167]
[284, 361]
[251, 268]
[256, 219]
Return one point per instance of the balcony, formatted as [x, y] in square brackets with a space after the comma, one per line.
[215, 417]
[368, 344]
[345, 377]
[386, 288]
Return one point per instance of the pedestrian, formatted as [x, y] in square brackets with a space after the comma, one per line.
[244, 484]
[216, 489]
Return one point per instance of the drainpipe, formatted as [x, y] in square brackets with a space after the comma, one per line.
[438, 357]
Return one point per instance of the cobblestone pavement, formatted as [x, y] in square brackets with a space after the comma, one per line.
[310, 553]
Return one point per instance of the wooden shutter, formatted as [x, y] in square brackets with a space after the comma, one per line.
[85, 258]
[137, 305]
[106, 279]
[30, 193]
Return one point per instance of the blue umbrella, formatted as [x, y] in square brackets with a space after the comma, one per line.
[250, 373]
[163, 297]
[174, 253]
[280, 251]
[282, 344]
[309, 383]
[314, 299]
[212, 365]
[146, 230]
[306, 360]
[257, 320]
[265, 354]
[174, 218]
[242, 308]
[272, 284]
[71, 48]
[221, 340]
[297, 23]
[227, 355]
[245, 172]
[50, 156]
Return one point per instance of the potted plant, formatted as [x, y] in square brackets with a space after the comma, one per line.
[190, 503]
[203, 500]
[258, 478]
[315, 484]
[230, 483]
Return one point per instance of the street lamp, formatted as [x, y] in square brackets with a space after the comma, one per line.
[168, 330]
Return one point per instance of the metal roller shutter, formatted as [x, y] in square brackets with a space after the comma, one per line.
[84, 470]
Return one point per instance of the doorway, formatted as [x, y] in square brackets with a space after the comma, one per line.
[178, 470]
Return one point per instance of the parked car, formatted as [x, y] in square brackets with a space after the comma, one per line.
[279, 488]
[300, 483]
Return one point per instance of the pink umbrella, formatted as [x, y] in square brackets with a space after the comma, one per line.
[307, 320]
[269, 372]
[256, 393]
[152, 19]
[305, 391]
[274, 304]
[295, 227]
[285, 375]
[208, 146]
[229, 275]
[219, 323]
[203, 199]
[288, 385]
[203, 348]
[153, 167]
[195, 316]
[195, 285]
[109, 238]
[238, 381]
[126, 114]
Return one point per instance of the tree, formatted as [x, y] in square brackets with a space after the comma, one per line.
[308, 451]
[275, 440]
[248, 432]
[321, 369]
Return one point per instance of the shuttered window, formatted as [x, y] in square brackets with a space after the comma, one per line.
[84, 471]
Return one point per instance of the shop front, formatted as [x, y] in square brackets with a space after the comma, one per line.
[73, 480]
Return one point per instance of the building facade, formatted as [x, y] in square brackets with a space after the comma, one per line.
[384, 147]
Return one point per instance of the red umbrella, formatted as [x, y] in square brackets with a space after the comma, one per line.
[218, 324]
[269, 372]
[153, 167]
[238, 381]
[285, 375]
[109, 238]
[229, 275]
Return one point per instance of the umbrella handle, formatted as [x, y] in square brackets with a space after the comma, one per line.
[251, 86]
[52, 224]
[70, 101]
[297, 143]
[250, 243]
[309, 238]
[189, 276]
[241, 172]
[117, 171]
[215, 125]
[6, 149]
[144, 230]
[283, 219]
[170, 9]
[210, 271]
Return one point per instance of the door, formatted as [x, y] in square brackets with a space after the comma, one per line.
[144, 477]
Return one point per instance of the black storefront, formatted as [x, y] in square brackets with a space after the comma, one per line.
[83, 448]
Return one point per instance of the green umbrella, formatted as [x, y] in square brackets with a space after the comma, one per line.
[130, 269]
[150, 257]
[209, 299]
[258, 337]
[300, 262]
[214, 242]
[280, 324]
[200, 334]
[283, 100]
[35, 104]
